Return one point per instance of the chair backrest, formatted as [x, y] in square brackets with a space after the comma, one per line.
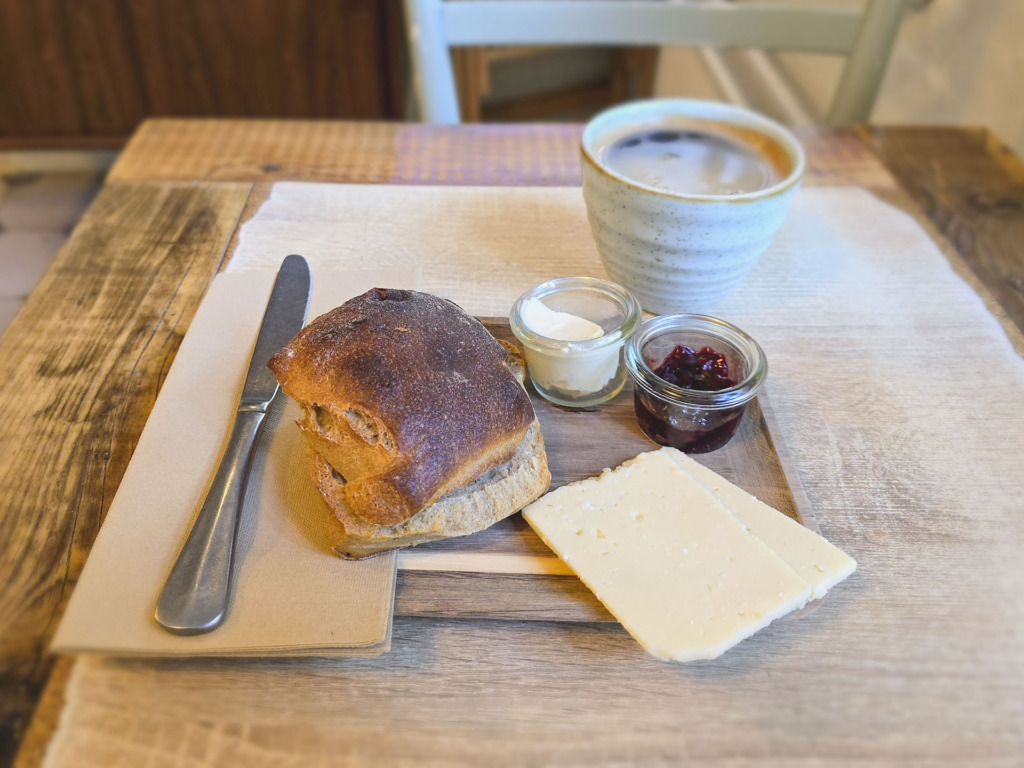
[866, 37]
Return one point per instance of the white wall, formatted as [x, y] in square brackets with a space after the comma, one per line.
[956, 62]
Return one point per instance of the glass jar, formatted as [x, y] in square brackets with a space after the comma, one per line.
[579, 374]
[692, 420]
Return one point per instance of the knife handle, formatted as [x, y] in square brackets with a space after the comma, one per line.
[194, 599]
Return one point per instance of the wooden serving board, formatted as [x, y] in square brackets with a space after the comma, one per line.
[507, 572]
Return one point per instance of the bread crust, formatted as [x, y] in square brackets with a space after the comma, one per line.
[406, 397]
[497, 494]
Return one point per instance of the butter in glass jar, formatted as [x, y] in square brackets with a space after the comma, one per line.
[573, 331]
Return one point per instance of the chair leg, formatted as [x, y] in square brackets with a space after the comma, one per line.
[633, 72]
[865, 68]
[472, 80]
[433, 79]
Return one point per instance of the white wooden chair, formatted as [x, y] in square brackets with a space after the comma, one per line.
[864, 36]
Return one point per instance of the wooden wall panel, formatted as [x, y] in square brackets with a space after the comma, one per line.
[91, 68]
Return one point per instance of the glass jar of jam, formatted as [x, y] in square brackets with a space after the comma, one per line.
[709, 370]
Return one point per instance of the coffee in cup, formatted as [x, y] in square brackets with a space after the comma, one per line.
[692, 159]
[683, 197]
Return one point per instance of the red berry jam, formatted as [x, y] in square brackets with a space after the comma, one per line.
[692, 430]
[706, 370]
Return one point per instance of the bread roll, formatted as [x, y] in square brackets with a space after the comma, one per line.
[495, 495]
[406, 400]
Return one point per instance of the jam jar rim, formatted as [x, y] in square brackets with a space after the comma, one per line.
[630, 307]
[730, 397]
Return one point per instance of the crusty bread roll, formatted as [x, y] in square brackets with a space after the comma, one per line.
[495, 495]
[415, 420]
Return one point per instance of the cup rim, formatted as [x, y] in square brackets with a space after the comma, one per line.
[744, 390]
[701, 108]
[631, 312]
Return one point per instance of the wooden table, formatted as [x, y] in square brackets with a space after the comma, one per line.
[85, 358]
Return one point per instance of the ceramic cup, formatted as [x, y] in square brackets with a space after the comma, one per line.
[681, 252]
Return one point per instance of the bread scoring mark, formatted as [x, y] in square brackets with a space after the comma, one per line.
[364, 426]
[324, 418]
[361, 424]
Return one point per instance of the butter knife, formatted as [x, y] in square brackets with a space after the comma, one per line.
[195, 596]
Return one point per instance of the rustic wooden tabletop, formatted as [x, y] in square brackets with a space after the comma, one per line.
[85, 359]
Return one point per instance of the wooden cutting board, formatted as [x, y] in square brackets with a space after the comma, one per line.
[507, 572]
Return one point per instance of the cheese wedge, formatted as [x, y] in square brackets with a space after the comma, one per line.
[678, 570]
[819, 563]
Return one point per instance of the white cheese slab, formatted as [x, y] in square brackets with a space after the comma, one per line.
[821, 564]
[676, 568]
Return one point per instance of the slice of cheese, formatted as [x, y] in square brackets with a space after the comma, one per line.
[678, 570]
[821, 564]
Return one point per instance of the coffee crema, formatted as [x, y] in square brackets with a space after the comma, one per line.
[697, 161]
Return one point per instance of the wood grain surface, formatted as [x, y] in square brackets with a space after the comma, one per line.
[580, 443]
[971, 186]
[401, 153]
[83, 362]
[436, 699]
[85, 358]
[77, 71]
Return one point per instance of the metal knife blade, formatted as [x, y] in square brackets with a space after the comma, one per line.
[284, 317]
[195, 596]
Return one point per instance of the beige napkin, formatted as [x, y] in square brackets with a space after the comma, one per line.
[291, 595]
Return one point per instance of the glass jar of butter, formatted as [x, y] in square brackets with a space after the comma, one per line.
[573, 330]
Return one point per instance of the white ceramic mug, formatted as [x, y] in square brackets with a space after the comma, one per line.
[681, 252]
